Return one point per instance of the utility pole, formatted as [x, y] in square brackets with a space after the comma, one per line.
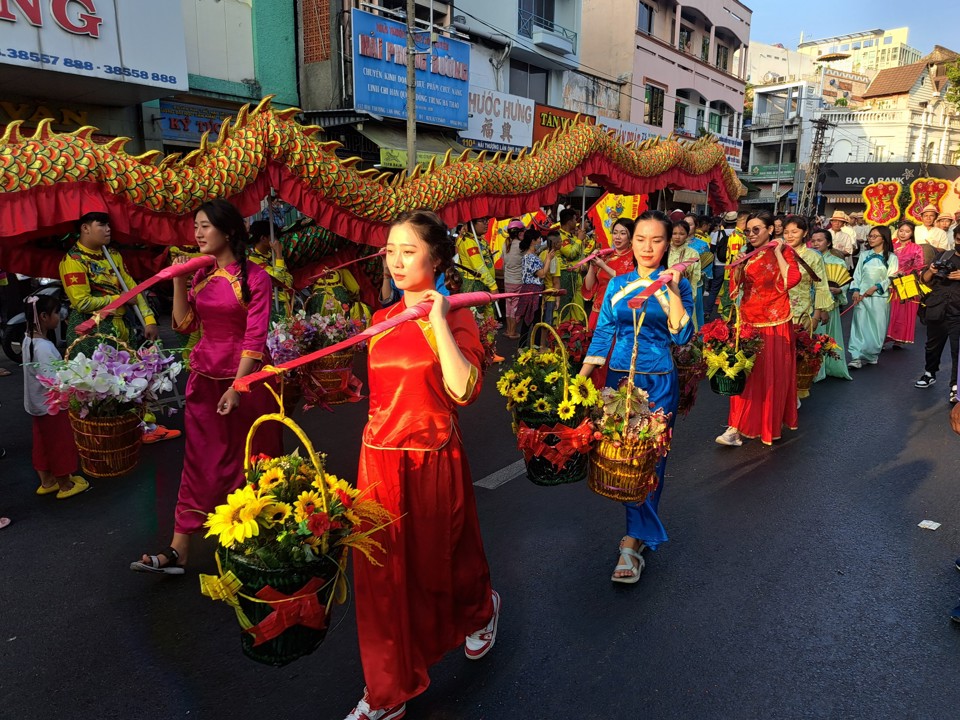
[411, 87]
[809, 193]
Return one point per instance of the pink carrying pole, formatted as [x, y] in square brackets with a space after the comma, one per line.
[419, 310]
[172, 271]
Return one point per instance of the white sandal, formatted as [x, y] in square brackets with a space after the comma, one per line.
[626, 564]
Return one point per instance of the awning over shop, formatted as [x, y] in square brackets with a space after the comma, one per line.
[393, 145]
[334, 118]
[688, 196]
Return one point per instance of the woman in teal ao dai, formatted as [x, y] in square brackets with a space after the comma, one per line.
[822, 242]
[871, 286]
[668, 322]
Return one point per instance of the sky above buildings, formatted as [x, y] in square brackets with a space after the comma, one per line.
[775, 21]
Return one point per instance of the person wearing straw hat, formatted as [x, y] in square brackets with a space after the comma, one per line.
[929, 237]
[944, 221]
[844, 238]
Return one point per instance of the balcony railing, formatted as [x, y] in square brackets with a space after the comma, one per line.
[889, 117]
[546, 33]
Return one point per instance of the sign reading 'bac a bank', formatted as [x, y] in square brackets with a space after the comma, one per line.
[380, 73]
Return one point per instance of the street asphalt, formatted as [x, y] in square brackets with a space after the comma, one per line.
[796, 583]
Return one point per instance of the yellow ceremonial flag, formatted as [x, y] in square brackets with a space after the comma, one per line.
[609, 208]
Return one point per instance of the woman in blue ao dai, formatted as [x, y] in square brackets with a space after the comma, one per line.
[668, 322]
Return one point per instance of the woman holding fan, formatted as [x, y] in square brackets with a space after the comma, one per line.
[870, 293]
[903, 311]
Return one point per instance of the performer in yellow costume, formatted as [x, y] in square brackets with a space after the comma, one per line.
[268, 254]
[475, 258]
[571, 252]
[338, 291]
[91, 284]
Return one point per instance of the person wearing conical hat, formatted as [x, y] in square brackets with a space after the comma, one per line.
[929, 237]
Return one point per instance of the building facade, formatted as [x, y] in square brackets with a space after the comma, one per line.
[867, 52]
[682, 65]
[768, 64]
[161, 74]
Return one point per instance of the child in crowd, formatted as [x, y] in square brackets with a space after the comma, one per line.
[54, 452]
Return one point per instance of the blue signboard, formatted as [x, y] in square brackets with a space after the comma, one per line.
[380, 73]
[185, 122]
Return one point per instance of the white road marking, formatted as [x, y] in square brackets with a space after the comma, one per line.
[502, 476]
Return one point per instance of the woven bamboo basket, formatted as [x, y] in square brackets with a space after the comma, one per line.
[541, 471]
[296, 641]
[627, 473]
[108, 447]
[806, 372]
[688, 378]
[326, 379]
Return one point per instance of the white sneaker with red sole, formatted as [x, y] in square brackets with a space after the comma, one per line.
[479, 643]
[363, 711]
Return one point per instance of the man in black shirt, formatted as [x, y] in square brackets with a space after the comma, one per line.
[941, 315]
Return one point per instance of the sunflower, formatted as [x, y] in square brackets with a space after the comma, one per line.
[236, 522]
[306, 503]
[275, 513]
[575, 395]
[337, 485]
[525, 357]
[553, 377]
[566, 410]
[504, 386]
[271, 478]
[521, 393]
[593, 396]
[542, 406]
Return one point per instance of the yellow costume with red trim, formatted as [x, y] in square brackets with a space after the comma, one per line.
[91, 284]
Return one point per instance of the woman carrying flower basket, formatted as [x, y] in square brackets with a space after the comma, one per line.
[600, 272]
[667, 322]
[822, 242]
[433, 591]
[762, 283]
[231, 305]
[809, 299]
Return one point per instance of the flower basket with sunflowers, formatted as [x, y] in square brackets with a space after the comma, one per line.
[283, 537]
[729, 351]
[550, 413]
[329, 380]
[691, 369]
[811, 350]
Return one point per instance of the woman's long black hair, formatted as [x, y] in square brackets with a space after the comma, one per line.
[433, 231]
[887, 241]
[228, 220]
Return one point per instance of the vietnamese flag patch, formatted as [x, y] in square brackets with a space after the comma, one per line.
[76, 278]
[471, 251]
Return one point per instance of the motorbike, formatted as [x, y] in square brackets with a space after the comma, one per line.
[15, 328]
